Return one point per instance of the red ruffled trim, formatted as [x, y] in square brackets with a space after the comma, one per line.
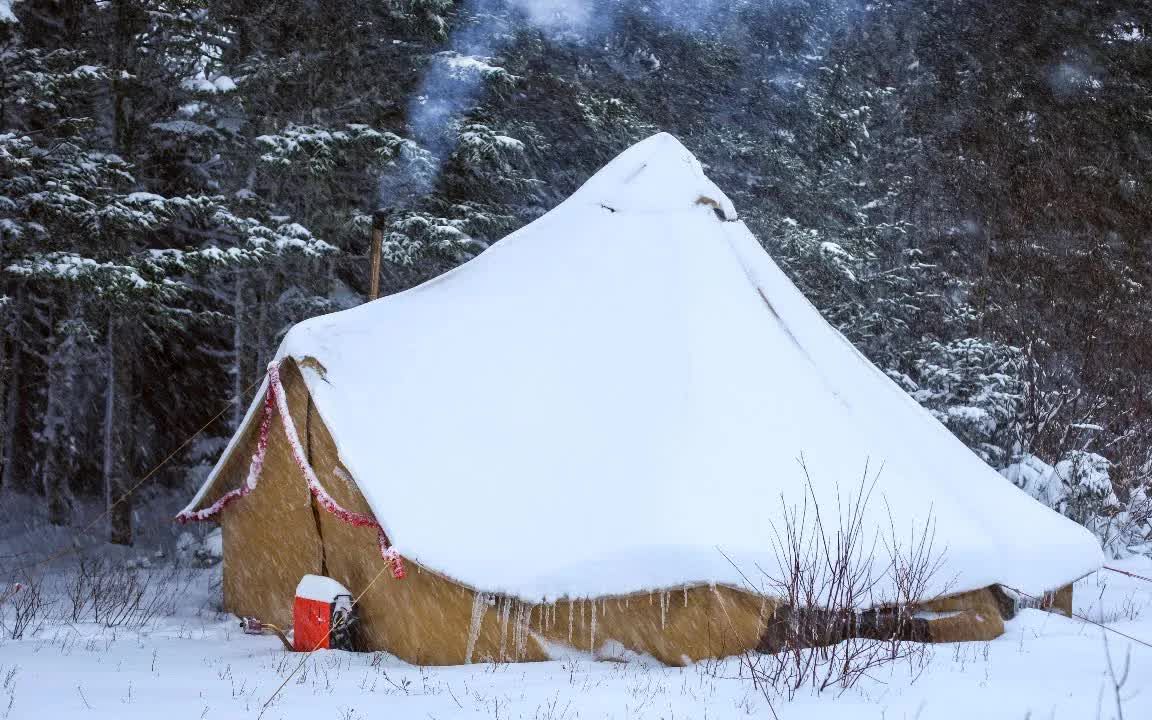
[276, 402]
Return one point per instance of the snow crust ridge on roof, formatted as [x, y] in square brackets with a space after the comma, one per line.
[654, 175]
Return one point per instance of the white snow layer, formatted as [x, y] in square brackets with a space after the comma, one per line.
[196, 665]
[318, 587]
[618, 398]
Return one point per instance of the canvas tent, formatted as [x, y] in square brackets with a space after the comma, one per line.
[585, 437]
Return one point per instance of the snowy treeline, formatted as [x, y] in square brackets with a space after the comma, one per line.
[963, 189]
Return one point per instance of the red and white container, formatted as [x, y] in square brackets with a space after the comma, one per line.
[322, 615]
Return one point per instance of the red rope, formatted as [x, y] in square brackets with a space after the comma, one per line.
[276, 402]
[1081, 618]
[1129, 574]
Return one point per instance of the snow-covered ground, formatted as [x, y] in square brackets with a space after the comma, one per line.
[196, 664]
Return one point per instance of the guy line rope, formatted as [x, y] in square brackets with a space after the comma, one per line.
[1129, 574]
[1081, 618]
[304, 656]
[66, 551]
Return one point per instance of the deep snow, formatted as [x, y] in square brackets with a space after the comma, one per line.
[197, 665]
[630, 383]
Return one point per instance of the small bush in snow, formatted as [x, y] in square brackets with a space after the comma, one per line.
[835, 626]
[115, 595]
[1080, 486]
[204, 552]
[23, 608]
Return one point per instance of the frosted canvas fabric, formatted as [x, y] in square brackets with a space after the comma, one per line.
[635, 386]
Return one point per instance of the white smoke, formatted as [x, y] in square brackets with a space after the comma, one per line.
[553, 15]
[451, 89]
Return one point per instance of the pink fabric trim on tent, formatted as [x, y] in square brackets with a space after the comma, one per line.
[276, 401]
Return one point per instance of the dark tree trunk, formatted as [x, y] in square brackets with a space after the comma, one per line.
[56, 432]
[117, 488]
[5, 384]
[13, 378]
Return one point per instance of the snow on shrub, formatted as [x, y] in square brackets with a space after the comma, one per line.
[973, 387]
[1080, 487]
[201, 552]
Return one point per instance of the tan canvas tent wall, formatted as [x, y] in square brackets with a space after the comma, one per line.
[677, 385]
[279, 533]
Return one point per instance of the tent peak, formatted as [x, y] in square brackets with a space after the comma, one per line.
[657, 174]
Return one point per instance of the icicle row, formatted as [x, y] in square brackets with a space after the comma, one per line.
[592, 629]
[521, 630]
[480, 603]
[505, 616]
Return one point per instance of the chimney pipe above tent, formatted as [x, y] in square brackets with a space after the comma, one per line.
[379, 220]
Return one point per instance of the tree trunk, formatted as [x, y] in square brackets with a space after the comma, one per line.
[109, 422]
[12, 400]
[238, 408]
[52, 472]
[5, 383]
[262, 351]
[117, 491]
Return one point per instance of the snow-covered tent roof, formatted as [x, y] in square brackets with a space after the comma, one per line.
[604, 400]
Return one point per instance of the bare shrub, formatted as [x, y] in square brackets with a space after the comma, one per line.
[847, 602]
[115, 595]
[1117, 680]
[23, 607]
[8, 687]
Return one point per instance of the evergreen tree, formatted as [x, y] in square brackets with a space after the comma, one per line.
[960, 188]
